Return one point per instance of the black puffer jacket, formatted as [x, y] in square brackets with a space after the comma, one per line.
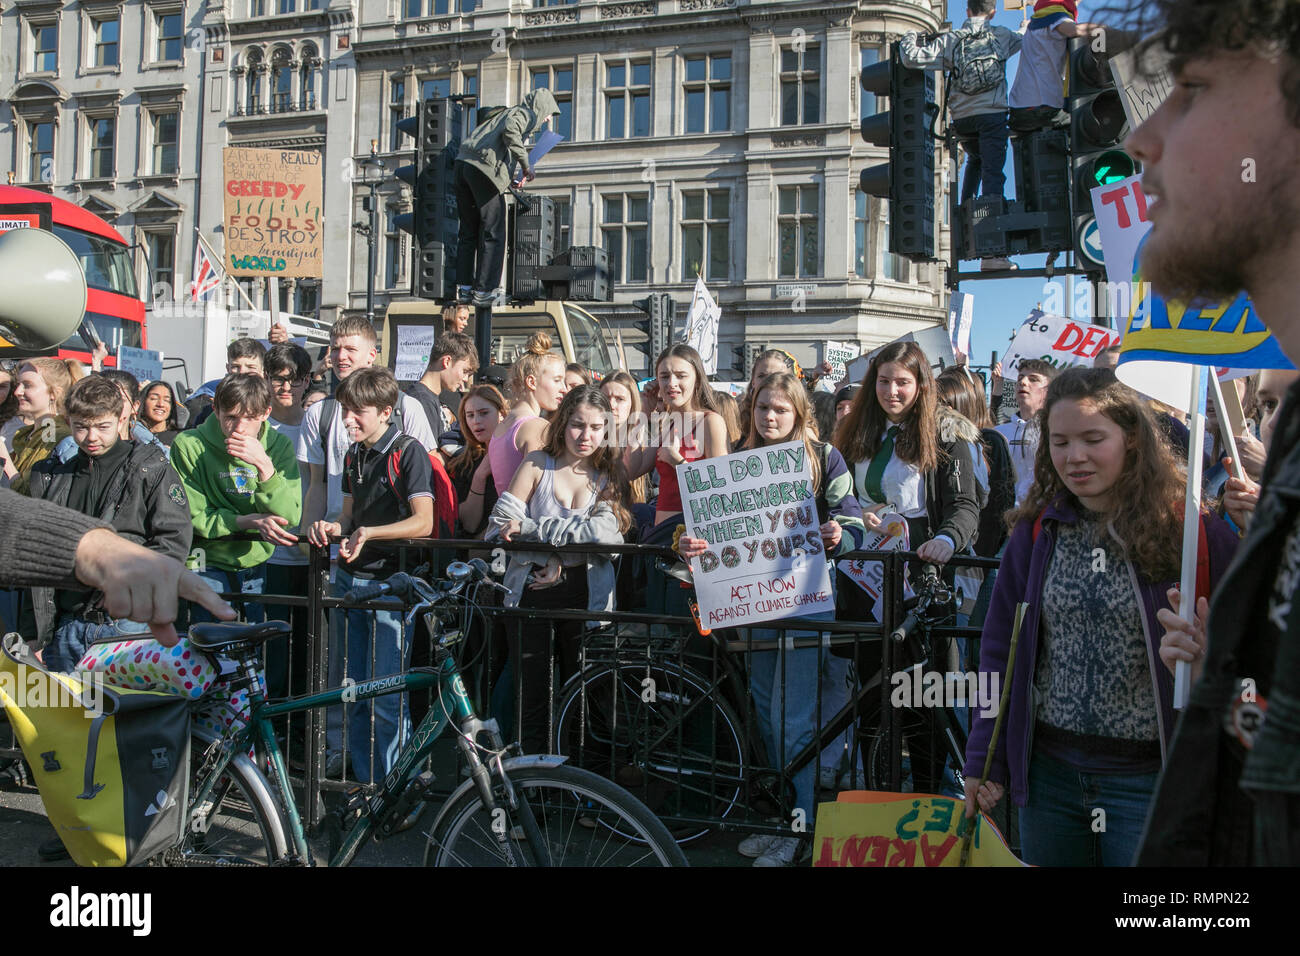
[144, 501]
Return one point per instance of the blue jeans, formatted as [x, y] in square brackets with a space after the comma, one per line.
[376, 646]
[783, 683]
[1061, 825]
[984, 138]
[248, 581]
[72, 635]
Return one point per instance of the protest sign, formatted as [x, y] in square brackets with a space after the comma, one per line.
[734, 389]
[411, 356]
[145, 364]
[870, 575]
[865, 828]
[1121, 211]
[1143, 84]
[702, 326]
[961, 313]
[273, 200]
[839, 354]
[1057, 340]
[934, 342]
[758, 512]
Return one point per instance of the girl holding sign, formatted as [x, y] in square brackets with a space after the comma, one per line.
[1095, 547]
[571, 491]
[785, 682]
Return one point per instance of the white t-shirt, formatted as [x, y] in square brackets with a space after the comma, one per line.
[1022, 440]
[293, 554]
[1040, 77]
[414, 423]
[902, 484]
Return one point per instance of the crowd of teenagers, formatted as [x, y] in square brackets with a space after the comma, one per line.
[1080, 494]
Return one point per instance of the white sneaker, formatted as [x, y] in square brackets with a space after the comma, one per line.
[997, 264]
[784, 852]
[757, 845]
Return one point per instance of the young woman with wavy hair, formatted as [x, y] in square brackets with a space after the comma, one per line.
[482, 409]
[536, 386]
[1094, 550]
[42, 386]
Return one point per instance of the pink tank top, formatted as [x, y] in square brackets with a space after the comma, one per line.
[505, 457]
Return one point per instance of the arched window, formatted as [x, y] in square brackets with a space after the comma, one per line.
[308, 72]
[256, 67]
[281, 81]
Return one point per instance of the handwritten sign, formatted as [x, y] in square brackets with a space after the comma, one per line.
[839, 354]
[145, 364]
[1057, 340]
[273, 200]
[411, 357]
[1143, 84]
[961, 313]
[758, 512]
[890, 829]
[870, 575]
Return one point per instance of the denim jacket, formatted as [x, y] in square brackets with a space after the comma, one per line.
[1021, 578]
[1211, 809]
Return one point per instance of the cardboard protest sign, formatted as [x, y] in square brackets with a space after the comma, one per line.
[702, 326]
[1143, 84]
[145, 364]
[1057, 340]
[273, 200]
[864, 828]
[411, 357]
[870, 575]
[758, 512]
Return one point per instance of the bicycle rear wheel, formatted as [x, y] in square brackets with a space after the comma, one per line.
[581, 818]
[239, 824]
[659, 732]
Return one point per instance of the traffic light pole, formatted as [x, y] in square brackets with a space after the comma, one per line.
[370, 256]
[483, 338]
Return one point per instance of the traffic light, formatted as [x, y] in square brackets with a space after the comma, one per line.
[660, 311]
[433, 222]
[1097, 131]
[907, 180]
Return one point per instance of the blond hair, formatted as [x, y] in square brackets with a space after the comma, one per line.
[537, 355]
[58, 375]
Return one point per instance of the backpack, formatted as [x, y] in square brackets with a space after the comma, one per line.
[976, 66]
[445, 503]
[1202, 555]
[112, 765]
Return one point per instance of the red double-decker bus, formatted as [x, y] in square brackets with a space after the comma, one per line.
[114, 309]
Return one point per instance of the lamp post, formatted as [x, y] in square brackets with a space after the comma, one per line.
[371, 230]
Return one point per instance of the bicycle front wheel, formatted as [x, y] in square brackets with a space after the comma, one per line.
[238, 824]
[583, 820]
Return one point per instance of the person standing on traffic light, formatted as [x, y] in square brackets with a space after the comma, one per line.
[485, 170]
[975, 59]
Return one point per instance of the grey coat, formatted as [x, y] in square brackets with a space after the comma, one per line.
[497, 145]
[938, 55]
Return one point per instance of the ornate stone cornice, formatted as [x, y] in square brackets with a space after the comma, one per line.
[551, 16]
[621, 11]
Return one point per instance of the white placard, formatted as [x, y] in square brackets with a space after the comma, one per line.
[1058, 340]
[961, 313]
[758, 512]
[870, 575]
[145, 364]
[414, 343]
[702, 326]
[839, 354]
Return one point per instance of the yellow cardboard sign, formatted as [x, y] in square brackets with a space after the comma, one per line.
[866, 828]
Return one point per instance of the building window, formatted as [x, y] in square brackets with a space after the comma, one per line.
[559, 80]
[708, 94]
[254, 74]
[392, 251]
[861, 234]
[281, 81]
[469, 100]
[307, 297]
[396, 110]
[307, 86]
[40, 163]
[257, 8]
[285, 6]
[411, 9]
[45, 48]
[797, 223]
[626, 231]
[166, 133]
[870, 103]
[103, 137]
[170, 33]
[891, 266]
[435, 87]
[552, 3]
[627, 100]
[706, 234]
[106, 39]
[162, 261]
[801, 85]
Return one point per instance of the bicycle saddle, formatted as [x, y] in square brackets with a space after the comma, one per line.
[223, 636]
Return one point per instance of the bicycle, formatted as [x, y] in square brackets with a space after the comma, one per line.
[514, 810]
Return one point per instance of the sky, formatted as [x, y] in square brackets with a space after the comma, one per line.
[1001, 305]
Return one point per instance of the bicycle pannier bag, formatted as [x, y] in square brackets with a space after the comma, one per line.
[112, 764]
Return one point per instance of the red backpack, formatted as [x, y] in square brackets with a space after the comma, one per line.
[444, 494]
[1202, 555]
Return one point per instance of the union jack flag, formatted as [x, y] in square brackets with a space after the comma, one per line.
[207, 275]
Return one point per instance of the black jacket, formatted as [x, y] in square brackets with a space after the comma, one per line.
[1002, 494]
[144, 502]
[1212, 806]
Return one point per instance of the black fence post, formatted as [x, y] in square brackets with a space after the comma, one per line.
[318, 578]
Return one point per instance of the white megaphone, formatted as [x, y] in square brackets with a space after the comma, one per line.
[42, 289]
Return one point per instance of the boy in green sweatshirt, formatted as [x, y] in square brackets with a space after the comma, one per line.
[241, 475]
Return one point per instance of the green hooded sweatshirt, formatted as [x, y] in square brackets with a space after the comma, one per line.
[495, 147]
[221, 488]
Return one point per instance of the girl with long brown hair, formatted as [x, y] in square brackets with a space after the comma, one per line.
[1095, 548]
[482, 409]
[572, 491]
[628, 424]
